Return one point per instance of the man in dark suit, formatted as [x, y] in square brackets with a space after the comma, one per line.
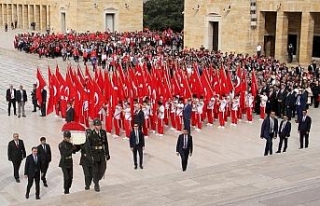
[69, 113]
[43, 102]
[184, 148]
[269, 130]
[137, 144]
[290, 104]
[44, 152]
[16, 153]
[284, 133]
[304, 129]
[21, 97]
[138, 117]
[32, 172]
[187, 115]
[11, 99]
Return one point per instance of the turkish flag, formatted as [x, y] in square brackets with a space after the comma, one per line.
[62, 93]
[52, 92]
[237, 87]
[81, 76]
[41, 83]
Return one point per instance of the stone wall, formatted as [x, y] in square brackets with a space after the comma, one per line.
[235, 32]
[80, 15]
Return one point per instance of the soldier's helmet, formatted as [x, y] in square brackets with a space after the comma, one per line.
[97, 122]
[67, 133]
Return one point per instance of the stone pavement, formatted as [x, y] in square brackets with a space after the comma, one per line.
[227, 167]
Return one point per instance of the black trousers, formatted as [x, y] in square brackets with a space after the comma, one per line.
[268, 148]
[98, 170]
[43, 109]
[13, 103]
[67, 177]
[136, 150]
[285, 140]
[87, 171]
[16, 167]
[36, 178]
[184, 154]
[44, 170]
[304, 138]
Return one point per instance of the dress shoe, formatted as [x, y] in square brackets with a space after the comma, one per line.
[135, 167]
[18, 180]
[278, 152]
[284, 151]
[66, 191]
[45, 184]
[87, 188]
[34, 111]
[19, 116]
[37, 198]
[23, 115]
[141, 167]
[97, 188]
[27, 196]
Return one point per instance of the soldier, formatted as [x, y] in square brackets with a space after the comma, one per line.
[86, 162]
[66, 163]
[98, 152]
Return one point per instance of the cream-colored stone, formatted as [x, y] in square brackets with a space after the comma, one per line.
[235, 32]
[80, 15]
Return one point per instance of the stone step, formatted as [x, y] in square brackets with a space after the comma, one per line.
[224, 184]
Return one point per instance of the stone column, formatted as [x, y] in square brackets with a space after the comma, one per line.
[281, 37]
[306, 37]
[25, 16]
[37, 17]
[261, 29]
[1, 15]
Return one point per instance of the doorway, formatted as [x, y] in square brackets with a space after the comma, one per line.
[213, 35]
[269, 45]
[109, 22]
[292, 39]
[316, 47]
[63, 22]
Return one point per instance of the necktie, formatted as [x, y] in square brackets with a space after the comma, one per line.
[17, 144]
[185, 142]
[35, 159]
[304, 118]
[44, 148]
[137, 137]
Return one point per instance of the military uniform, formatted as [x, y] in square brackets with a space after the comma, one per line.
[66, 163]
[98, 152]
[86, 163]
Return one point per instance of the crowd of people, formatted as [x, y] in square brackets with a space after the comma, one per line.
[282, 91]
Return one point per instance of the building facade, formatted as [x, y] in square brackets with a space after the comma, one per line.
[79, 15]
[242, 25]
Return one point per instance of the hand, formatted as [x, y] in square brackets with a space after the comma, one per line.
[307, 132]
[26, 176]
[177, 153]
[190, 154]
[261, 137]
[275, 137]
[108, 157]
[131, 148]
[142, 148]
